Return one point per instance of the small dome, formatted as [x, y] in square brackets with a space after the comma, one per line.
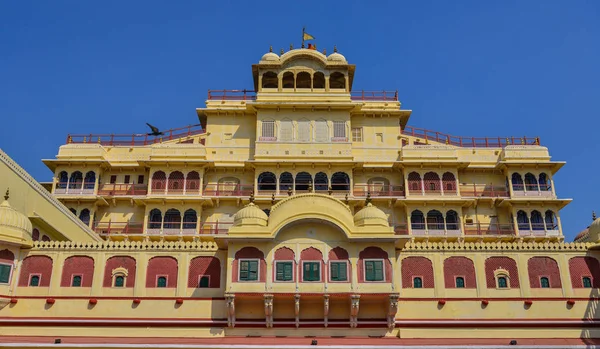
[369, 216]
[270, 56]
[336, 57]
[594, 231]
[14, 226]
[250, 215]
[582, 234]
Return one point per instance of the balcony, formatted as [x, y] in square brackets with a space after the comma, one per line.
[374, 95]
[538, 230]
[376, 190]
[433, 192]
[118, 228]
[532, 190]
[468, 142]
[134, 139]
[228, 190]
[250, 95]
[436, 229]
[77, 188]
[489, 229]
[123, 190]
[483, 191]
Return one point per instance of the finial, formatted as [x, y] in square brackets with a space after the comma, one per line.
[290, 191]
[310, 186]
[281, 52]
[593, 212]
[302, 44]
[7, 195]
[325, 51]
[346, 199]
[334, 48]
[270, 48]
[273, 199]
[368, 200]
[291, 47]
[330, 191]
[251, 198]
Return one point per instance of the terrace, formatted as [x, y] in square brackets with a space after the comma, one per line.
[424, 136]
[138, 139]
[250, 95]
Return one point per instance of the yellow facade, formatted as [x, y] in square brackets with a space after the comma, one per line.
[304, 204]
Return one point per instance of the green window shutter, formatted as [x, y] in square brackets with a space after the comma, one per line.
[339, 271]
[288, 274]
[311, 271]
[343, 272]
[4, 273]
[119, 281]
[204, 282]
[369, 272]
[374, 270]
[253, 270]
[335, 271]
[161, 282]
[279, 271]
[76, 282]
[378, 270]
[243, 270]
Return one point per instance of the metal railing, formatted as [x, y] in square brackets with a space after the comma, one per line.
[374, 95]
[123, 190]
[74, 188]
[469, 142]
[232, 95]
[228, 190]
[482, 229]
[482, 190]
[134, 139]
[377, 190]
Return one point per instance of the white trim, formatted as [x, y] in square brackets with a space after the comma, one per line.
[275, 270]
[257, 269]
[382, 260]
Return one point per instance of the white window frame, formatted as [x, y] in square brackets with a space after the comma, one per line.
[347, 270]
[200, 278]
[29, 279]
[337, 127]
[360, 134]
[382, 260]
[275, 270]
[320, 262]
[292, 131]
[73, 276]
[262, 131]
[239, 269]
[10, 273]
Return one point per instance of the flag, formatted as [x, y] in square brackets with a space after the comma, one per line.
[306, 36]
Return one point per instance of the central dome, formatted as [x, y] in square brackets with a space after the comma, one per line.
[370, 216]
[250, 215]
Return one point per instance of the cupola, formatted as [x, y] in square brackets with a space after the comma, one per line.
[370, 216]
[270, 56]
[336, 57]
[15, 227]
[594, 230]
[250, 215]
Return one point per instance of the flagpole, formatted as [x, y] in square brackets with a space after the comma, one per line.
[303, 29]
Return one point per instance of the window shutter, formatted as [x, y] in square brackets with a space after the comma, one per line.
[279, 272]
[304, 131]
[343, 273]
[321, 132]
[287, 131]
[4, 273]
[253, 268]
[204, 282]
[287, 271]
[369, 271]
[335, 271]
[378, 267]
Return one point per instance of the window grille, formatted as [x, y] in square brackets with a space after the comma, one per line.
[357, 134]
[286, 131]
[268, 129]
[304, 131]
[321, 131]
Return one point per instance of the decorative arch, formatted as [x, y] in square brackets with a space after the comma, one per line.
[337, 80]
[312, 254]
[417, 267]
[63, 180]
[517, 182]
[270, 80]
[431, 181]
[190, 220]
[176, 182]
[550, 220]
[340, 182]
[584, 267]
[452, 220]
[374, 253]
[228, 186]
[337, 255]
[84, 216]
[35, 234]
[539, 267]
[303, 80]
[531, 183]
[90, 180]
[154, 219]
[162, 266]
[287, 81]
[249, 253]
[267, 182]
[449, 183]
[435, 220]
[284, 254]
[82, 266]
[172, 220]
[286, 182]
[379, 186]
[121, 263]
[417, 220]
[159, 182]
[192, 182]
[76, 180]
[414, 183]
[321, 131]
[537, 222]
[522, 220]
[304, 131]
[319, 80]
[303, 182]
[505, 263]
[286, 130]
[204, 266]
[40, 266]
[458, 266]
[321, 182]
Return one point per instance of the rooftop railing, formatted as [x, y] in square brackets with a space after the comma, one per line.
[123, 189]
[374, 95]
[134, 139]
[469, 142]
[250, 95]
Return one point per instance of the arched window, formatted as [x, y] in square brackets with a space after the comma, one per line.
[544, 282]
[288, 80]
[286, 182]
[303, 80]
[73, 211]
[537, 222]
[119, 281]
[161, 282]
[176, 182]
[84, 216]
[460, 282]
[587, 282]
[192, 182]
[550, 218]
[431, 180]
[35, 235]
[414, 183]
[517, 181]
[379, 186]
[172, 219]
[417, 220]
[321, 131]
[452, 220]
[321, 182]
[340, 181]
[531, 183]
[267, 181]
[76, 180]
[319, 80]
[522, 220]
[435, 220]
[90, 180]
[190, 219]
[269, 80]
[63, 179]
[304, 130]
[417, 282]
[502, 281]
[45, 238]
[337, 80]
[154, 219]
[286, 131]
[159, 180]
[544, 182]
[303, 182]
[449, 183]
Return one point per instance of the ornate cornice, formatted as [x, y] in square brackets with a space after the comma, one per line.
[125, 245]
[496, 246]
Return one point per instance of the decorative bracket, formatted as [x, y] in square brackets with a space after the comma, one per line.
[326, 308]
[230, 302]
[392, 311]
[269, 310]
[297, 309]
[354, 304]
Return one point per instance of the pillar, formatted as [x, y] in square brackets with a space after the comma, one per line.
[523, 275]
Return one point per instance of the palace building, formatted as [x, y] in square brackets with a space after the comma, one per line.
[301, 211]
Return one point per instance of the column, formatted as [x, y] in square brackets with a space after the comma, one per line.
[523, 275]
[479, 261]
[57, 266]
[565, 276]
[99, 270]
[141, 265]
[438, 274]
[182, 274]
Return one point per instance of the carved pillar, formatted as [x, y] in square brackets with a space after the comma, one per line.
[230, 302]
[354, 303]
[297, 309]
[326, 309]
[392, 310]
[269, 310]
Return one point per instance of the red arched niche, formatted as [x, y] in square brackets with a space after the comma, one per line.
[161, 266]
[459, 266]
[78, 265]
[36, 265]
[580, 267]
[543, 267]
[494, 263]
[205, 266]
[412, 267]
[115, 262]
[373, 252]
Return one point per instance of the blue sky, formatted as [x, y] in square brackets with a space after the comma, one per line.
[472, 68]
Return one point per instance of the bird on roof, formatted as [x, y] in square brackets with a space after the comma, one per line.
[155, 131]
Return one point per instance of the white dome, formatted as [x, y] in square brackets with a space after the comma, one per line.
[250, 215]
[270, 56]
[336, 57]
[14, 226]
[369, 216]
[594, 231]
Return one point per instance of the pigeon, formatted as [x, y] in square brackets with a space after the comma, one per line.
[155, 131]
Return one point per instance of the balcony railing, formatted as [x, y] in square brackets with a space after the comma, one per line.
[374, 95]
[215, 228]
[74, 188]
[538, 229]
[433, 192]
[482, 229]
[469, 142]
[124, 228]
[220, 190]
[123, 190]
[520, 189]
[231, 95]
[400, 228]
[376, 190]
[135, 139]
[482, 190]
